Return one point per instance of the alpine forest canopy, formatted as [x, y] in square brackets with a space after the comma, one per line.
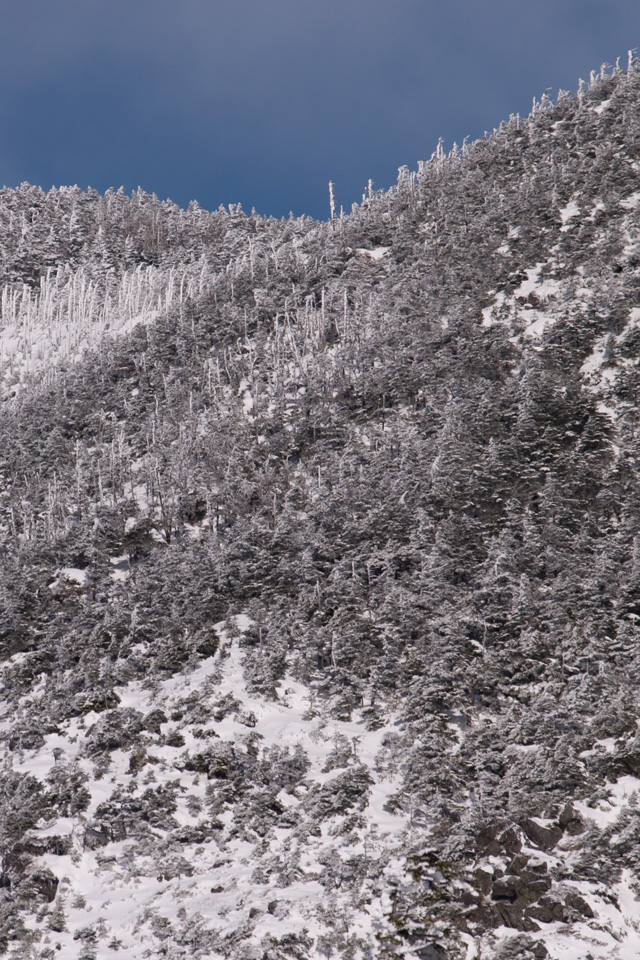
[320, 563]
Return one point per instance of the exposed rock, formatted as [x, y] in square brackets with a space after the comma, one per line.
[482, 880]
[97, 836]
[525, 888]
[571, 821]
[548, 909]
[45, 883]
[543, 837]
[429, 952]
[521, 948]
[510, 841]
[505, 888]
[512, 915]
[579, 904]
[518, 863]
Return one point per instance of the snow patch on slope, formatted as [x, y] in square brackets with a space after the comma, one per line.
[524, 307]
[236, 883]
[568, 213]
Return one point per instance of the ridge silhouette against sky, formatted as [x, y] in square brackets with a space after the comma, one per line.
[263, 101]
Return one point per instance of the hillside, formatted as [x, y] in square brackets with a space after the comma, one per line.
[320, 563]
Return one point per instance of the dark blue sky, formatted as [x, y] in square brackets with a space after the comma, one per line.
[263, 101]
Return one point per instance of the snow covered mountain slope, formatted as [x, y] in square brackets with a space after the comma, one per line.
[319, 573]
[220, 817]
[181, 818]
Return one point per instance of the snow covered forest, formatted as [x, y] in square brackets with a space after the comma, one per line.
[320, 563]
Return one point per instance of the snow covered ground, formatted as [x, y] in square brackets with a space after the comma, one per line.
[172, 879]
[128, 893]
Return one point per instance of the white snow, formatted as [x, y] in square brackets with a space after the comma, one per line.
[244, 391]
[538, 323]
[601, 106]
[75, 574]
[120, 567]
[595, 359]
[505, 309]
[376, 254]
[631, 202]
[68, 575]
[568, 213]
[542, 288]
[607, 811]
